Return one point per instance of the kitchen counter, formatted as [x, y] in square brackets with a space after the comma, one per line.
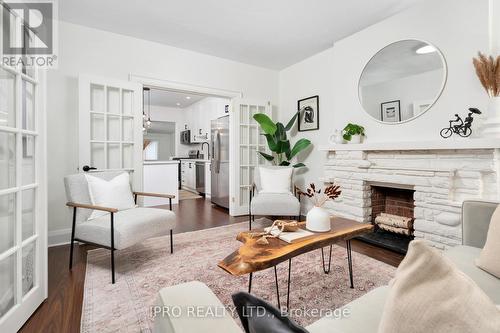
[161, 177]
[194, 160]
[160, 162]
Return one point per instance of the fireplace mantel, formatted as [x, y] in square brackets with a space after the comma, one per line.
[443, 144]
[443, 174]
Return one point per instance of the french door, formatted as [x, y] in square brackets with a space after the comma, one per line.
[23, 221]
[248, 139]
[110, 126]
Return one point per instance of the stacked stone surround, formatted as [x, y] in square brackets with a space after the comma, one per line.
[442, 180]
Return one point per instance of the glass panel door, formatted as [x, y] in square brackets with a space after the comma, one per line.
[250, 142]
[111, 126]
[23, 245]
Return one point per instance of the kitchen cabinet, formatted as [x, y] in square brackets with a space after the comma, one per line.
[188, 175]
[198, 117]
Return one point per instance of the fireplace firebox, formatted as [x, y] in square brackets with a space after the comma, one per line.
[393, 215]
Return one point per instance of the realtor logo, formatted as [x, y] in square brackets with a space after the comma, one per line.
[29, 32]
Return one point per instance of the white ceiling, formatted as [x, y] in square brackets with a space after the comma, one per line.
[268, 33]
[172, 98]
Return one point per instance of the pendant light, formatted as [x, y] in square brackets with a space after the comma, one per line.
[146, 112]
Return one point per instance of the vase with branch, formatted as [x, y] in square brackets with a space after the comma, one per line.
[318, 218]
[488, 71]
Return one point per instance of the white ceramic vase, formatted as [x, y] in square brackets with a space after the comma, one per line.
[318, 220]
[491, 125]
[355, 138]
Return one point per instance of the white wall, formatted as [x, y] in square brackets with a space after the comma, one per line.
[84, 50]
[177, 115]
[166, 145]
[459, 28]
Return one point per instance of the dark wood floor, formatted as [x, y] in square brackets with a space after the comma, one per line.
[62, 310]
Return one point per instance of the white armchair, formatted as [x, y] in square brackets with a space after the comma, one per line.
[118, 229]
[273, 204]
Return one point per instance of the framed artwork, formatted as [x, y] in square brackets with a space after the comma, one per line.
[309, 113]
[390, 111]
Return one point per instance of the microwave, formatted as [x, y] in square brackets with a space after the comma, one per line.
[186, 137]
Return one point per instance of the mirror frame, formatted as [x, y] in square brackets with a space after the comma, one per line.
[436, 97]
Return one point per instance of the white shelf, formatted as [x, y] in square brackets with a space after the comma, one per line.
[444, 144]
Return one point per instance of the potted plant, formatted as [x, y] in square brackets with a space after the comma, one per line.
[352, 133]
[318, 218]
[277, 141]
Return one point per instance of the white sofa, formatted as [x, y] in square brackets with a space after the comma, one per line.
[366, 311]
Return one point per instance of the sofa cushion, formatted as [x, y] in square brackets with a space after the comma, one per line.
[131, 226]
[365, 313]
[463, 257]
[189, 298]
[258, 316]
[430, 294]
[275, 204]
[488, 259]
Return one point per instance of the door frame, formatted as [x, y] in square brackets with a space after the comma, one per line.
[203, 90]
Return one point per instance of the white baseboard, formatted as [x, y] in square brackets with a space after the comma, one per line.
[59, 237]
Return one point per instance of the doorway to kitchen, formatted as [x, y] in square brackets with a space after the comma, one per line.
[217, 140]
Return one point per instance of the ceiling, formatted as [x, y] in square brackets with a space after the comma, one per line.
[400, 60]
[173, 99]
[267, 33]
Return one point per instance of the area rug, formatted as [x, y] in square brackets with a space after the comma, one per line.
[186, 195]
[142, 270]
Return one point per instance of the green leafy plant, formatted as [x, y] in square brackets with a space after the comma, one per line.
[277, 141]
[352, 129]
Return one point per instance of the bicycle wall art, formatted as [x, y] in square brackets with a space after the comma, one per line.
[462, 127]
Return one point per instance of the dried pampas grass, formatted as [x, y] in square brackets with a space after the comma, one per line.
[488, 72]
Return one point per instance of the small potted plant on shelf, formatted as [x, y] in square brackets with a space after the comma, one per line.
[352, 133]
[318, 218]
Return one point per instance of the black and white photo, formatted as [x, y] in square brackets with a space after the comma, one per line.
[308, 113]
[391, 111]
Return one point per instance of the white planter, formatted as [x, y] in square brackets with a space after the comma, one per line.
[318, 220]
[355, 138]
[491, 125]
[336, 138]
[494, 107]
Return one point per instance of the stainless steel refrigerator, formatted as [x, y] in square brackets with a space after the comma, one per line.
[220, 161]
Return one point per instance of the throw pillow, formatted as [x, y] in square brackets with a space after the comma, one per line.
[275, 180]
[258, 316]
[429, 294]
[115, 193]
[489, 259]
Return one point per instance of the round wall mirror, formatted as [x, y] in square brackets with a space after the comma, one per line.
[402, 81]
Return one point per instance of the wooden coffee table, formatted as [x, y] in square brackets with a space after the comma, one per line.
[252, 257]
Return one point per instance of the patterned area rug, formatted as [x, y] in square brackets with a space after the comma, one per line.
[142, 270]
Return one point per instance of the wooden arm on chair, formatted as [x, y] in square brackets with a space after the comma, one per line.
[105, 209]
[158, 195]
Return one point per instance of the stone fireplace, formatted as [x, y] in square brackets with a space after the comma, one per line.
[440, 178]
